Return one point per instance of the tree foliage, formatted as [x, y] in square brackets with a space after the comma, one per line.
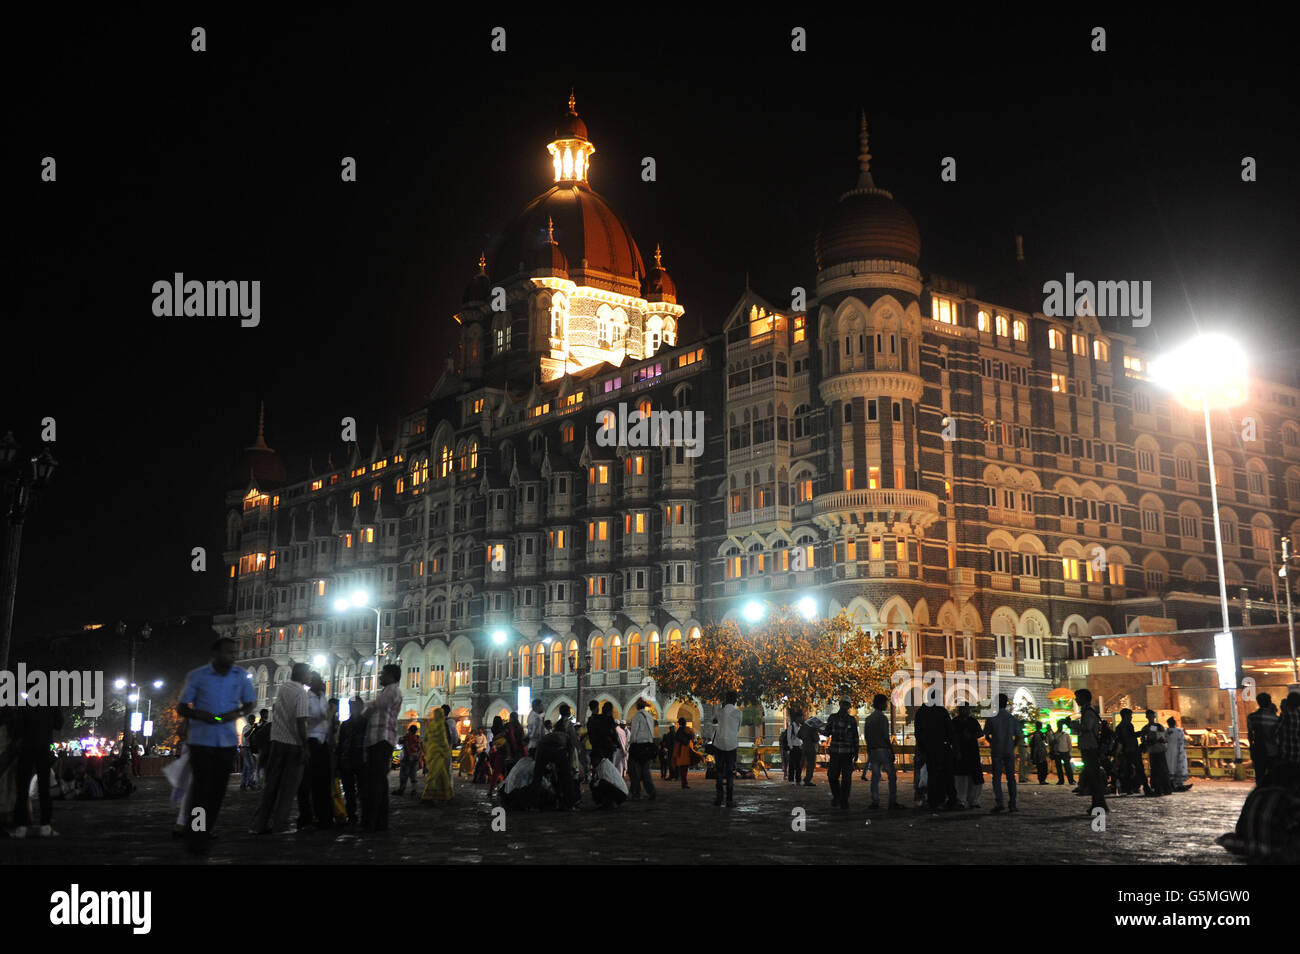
[787, 661]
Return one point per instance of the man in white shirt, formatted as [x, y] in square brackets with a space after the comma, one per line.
[795, 746]
[725, 742]
[535, 729]
[288, 753]
[315, 800]
[641, 751]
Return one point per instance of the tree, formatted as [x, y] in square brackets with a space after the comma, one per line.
[788, 661]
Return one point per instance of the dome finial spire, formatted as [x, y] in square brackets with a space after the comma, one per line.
[658, 257]
[864, 156]
[482, 263]
[572, 102]
[550, 231]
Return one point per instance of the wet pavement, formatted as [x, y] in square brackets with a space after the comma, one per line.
[774, 822]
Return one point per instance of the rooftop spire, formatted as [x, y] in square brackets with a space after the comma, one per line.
[550, 231]
[1020, 248]
[482, 263]
[864, 156]
[260, 443]
[658, 257]
[572, 102]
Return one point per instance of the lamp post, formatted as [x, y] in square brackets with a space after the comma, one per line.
[145, 632]
[1210, 369]
[1290, 623]
[361, 600]
[22, 479]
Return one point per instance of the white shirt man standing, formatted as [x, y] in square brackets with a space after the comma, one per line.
[725, 742]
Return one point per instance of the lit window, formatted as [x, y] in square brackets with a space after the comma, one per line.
[943, 310]
[1002, 326]
[356, 498]
[1100, 350]
[1079, 345]
[848, 478]
[1019, 330]
[1055, 339]
[370, 534]
[1058, 383]
[873, 478]
[1132, 363]
[982, 321]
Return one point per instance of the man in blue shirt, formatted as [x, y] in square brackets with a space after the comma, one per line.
[1003, 731]
[213, 698]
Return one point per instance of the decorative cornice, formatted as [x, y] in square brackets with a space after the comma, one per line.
[873, 273]
[870, 384]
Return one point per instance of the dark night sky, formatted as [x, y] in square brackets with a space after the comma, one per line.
[225, 165]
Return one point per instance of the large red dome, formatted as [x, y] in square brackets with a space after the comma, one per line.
[597, 245]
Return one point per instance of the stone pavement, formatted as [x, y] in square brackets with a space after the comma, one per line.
[680, 827]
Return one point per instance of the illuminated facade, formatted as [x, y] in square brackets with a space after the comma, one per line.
[983, 485]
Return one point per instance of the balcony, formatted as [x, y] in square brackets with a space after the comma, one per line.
[885, 505]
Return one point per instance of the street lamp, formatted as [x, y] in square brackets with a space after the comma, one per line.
[1209, 370]
[753, 611]
[145, 632]
[359, 600]
[807, 608]
[21, 479]
[1290, 623]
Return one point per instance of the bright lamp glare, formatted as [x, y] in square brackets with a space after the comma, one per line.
[1210, 366]
[157, 683]
[807, 607]
[341, 605]
[360, 598]
[318, 660]
[133, 697]
[753, 611]
[499, 637]
[548, 640]
[119, 684]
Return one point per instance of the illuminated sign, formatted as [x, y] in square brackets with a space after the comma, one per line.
[137, 718]
[525, 700]
[1225, 657]
[148, 728]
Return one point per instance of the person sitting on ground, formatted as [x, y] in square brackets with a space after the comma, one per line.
[1268, 830]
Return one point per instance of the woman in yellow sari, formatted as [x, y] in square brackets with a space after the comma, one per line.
[437, 750]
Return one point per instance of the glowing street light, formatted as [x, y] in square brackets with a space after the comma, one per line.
[319, 660]
[1209, 370]
[499, 637]
[807, 607]
[753, 611]
[119, 684]
[360, 600]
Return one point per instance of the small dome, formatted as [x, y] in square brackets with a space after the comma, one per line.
[658, 284]
[480, 286]
[867, 225]
[258, 462]
[549, 256]
[571, 127]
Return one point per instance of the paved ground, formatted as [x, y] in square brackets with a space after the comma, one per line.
[680, 827]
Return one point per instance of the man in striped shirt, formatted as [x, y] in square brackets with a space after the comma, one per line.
[381, 739]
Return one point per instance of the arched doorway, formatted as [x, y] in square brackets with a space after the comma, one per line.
[687, 709]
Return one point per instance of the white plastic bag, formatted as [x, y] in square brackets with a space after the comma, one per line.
[521, 776]
[180, 775]
[609, 775]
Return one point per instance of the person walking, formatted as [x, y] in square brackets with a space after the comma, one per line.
[811, 739]
[666, 770]
[968, 769]
[1132, 774]
[1038, 748]
[284, 765]
[684, 754]
[1155, 745]
[794, 746]
[260, 742]
[1261, 733]
[412, 748]
[381, 738]
[247, 764]
[842, 729]
[437, 786]
[726, 740]
[214, 696]
[1088, 729]
[516, 747]
[1003, 732]
[1176, 756]
[35, 727]
[1062, 745]
[880, 751]
[783, 744]
[1288, 731]
[352, 757]
[601, 734]
[315, 800]
[934, 742]
[641, 751]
